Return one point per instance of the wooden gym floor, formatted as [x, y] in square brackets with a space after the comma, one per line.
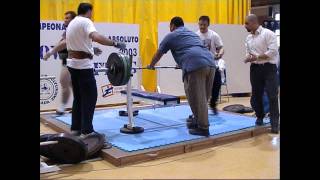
[254, 158]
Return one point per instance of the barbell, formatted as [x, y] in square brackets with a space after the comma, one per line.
[119, 67]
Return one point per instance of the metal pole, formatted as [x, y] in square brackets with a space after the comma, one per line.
[129, 100]
[129, 104]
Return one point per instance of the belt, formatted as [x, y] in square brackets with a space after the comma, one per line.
[79, 55]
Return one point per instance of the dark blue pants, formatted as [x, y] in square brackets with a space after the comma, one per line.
[85, 98]
[265, 97]
[265, 102]
[215, 89]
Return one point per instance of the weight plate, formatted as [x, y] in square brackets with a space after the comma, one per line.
[115, 69]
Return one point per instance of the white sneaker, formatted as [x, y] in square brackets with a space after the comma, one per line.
[83, 136]
[75, 133]
[61, 110]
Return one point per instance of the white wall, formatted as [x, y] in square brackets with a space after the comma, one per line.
[233, 37]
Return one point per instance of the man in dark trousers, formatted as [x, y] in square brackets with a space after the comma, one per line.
[81, 32]
[262, 53]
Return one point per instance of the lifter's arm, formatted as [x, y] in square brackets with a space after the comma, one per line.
[220, 52]
[96, 37]
[156, 58]
[60, 46]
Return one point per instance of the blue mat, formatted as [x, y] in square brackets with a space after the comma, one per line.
[163, 126]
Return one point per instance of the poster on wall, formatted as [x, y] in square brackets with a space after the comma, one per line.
[50, 87]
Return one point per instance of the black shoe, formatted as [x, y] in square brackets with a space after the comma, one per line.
[213, 107]
[212, 104]
[75, 133]
[191, 125]
[190, 119]
[215, 111]
[259, 122]
[274, 130]
[199, 132]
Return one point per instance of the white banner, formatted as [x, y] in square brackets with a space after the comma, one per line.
[237, 72]
[50, 88]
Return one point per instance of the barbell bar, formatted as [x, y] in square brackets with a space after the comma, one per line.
[141, 68]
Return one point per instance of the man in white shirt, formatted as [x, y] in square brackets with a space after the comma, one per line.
[262, 53]
[80, 34]
[65, 78]
[212, 41]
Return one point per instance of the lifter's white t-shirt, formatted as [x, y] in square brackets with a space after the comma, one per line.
[77, 38]
[211, 40]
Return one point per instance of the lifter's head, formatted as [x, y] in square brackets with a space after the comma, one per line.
[204, 22]
[175, 23]
[252, 23]
[68, 16]
[85, 9]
